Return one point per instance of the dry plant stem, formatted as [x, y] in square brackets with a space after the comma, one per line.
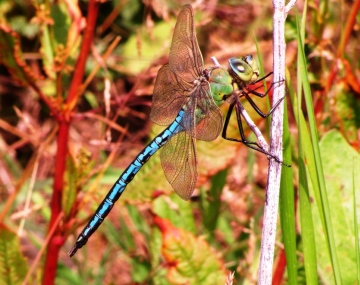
[274, 174]
[28, 197]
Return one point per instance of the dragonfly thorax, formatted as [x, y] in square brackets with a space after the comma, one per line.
[221, 83]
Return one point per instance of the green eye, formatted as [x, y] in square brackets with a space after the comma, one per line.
[249, 59]
[244, 69]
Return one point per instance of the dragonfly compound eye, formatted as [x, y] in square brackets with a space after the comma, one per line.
[240, 68]
[248, 59]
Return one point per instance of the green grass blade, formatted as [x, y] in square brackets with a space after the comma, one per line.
[305, 150]
[306, 222]
[318, 164]
[307, 227]
[262, 74]
[260, 61]
[287, 209]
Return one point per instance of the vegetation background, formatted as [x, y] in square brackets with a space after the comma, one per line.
[74, 112]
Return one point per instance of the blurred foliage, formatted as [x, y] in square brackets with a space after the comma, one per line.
[152, 236]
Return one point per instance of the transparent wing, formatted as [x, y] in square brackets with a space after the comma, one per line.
[179, 162]
[185, 58]
[202, 120]
[168, 97]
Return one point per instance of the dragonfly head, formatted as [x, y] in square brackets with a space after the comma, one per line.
[244, 69]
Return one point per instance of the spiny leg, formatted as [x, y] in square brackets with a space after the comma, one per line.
[259, 94]
[262, 95]
[256, 108]
[250, 144]
[241, 129]
[264, 77]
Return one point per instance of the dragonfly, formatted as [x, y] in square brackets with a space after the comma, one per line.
[244, 72]
[183, 101]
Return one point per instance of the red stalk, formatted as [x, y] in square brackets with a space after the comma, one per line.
[58, 239]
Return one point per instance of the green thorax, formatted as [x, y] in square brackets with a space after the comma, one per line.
[220, 83]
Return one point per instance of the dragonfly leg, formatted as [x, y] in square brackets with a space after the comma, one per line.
[250, 144]
[264, 77]
[256, 108]
[259, 94]
[262, 95]
[241, 129]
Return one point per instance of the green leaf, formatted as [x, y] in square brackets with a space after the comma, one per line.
[75, 177]
[140, 270]
[62, 22]
[123, 238]
[356, 227]
[189, 259]
[340, 161]
[60, 38]
[69, 195]
[226, 230]
[66, 275]
[13, 265]
[139, 222]
[176, 210]
[23, 27]
[155, 256]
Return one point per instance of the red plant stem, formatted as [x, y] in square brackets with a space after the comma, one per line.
[279, 268]
[351, 21]
[85, 49]
[58, 239]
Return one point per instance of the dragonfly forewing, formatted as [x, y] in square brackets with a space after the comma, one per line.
[185, 58]
[168, 97]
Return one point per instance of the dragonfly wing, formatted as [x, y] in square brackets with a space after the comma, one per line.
[210, 126]
[168, 97]
[185, 57]
[203, 119]
[179, 162]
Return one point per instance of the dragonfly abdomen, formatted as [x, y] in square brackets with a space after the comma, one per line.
[118, 188]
